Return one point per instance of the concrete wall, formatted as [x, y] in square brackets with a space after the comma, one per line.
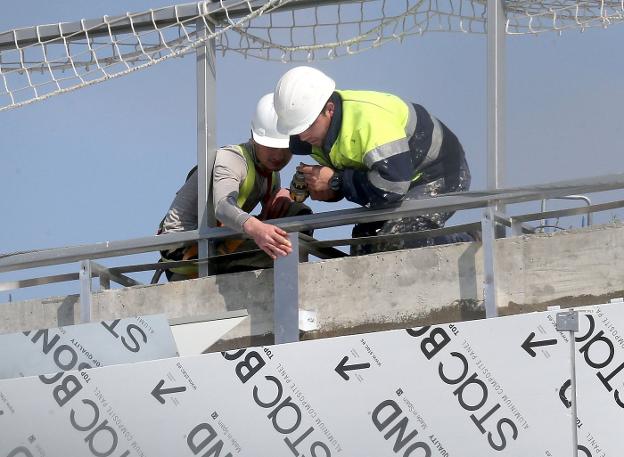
[389, 290]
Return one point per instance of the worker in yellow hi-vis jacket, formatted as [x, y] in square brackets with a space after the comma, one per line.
[373, 148]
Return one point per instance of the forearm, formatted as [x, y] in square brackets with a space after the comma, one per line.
[251, 226]
[357, 188]
[386, 180]
[229, 214]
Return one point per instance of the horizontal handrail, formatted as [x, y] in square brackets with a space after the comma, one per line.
[443, 203]
[378, 239]
[595, 208]
[320, 248]
[41, 281]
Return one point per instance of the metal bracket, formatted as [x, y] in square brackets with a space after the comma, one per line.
[106, 275]
[568, 321]
[520, 228]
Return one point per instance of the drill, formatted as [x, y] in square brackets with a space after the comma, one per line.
[298, 188]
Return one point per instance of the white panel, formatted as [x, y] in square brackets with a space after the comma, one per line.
[196, 337]
[600, 382]
[96, 344]
[377, 394]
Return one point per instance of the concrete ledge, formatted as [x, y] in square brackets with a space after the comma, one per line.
[383, 291]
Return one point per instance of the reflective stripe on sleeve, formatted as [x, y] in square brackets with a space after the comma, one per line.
[412, 120]
[436, 144]
[396, 187]
[385, 151]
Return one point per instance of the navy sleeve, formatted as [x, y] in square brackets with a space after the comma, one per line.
[386, 182]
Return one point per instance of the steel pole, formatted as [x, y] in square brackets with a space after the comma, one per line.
[206, 140]
[496, 100]
[488, 226]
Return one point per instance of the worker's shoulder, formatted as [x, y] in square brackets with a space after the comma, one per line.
[232, 157]
[365, 95]
[232, 148]
[373, 106]
[233, 152]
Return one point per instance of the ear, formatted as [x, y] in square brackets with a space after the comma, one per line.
[329, 109]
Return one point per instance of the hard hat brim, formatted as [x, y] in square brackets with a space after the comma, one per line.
[271, 142]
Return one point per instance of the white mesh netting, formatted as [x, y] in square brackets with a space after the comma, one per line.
[42, 61]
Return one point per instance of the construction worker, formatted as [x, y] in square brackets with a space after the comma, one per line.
[243, 176]
[373, 148]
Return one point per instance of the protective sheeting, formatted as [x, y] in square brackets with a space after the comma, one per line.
[496, 387]
[78, 347]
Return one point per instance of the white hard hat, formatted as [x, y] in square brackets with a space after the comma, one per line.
[264, 125]
[300, 95]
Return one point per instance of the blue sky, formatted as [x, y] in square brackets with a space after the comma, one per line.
[104, 162]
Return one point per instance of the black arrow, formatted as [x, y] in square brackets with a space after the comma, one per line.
[157, 393]
[529, 344]
[342, 367]
[562, 394]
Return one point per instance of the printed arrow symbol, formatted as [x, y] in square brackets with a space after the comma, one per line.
[342, 367]
[158, 392]
[562, 394]
[529, 344]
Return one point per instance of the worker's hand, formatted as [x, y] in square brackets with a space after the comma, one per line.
[317, 179]
[278, 205]
[271, 239]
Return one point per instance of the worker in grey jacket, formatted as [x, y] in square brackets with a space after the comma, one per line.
[243, 176]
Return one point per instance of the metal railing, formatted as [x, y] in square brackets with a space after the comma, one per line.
[583, 198]
[206, 83]
[443, 203]
[286, 275]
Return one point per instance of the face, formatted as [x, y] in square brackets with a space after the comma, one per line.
[316, 133]
[272, 159]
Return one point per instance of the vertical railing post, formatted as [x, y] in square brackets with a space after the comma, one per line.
[206, 140]
[104, 281]
[496, 99]
[569, 322]
[516, 227]
[286, 295]
[544, 222]
[85, 291]
[488, 236]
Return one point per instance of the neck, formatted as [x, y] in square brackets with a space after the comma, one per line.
[259, 167]
[263, 171]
